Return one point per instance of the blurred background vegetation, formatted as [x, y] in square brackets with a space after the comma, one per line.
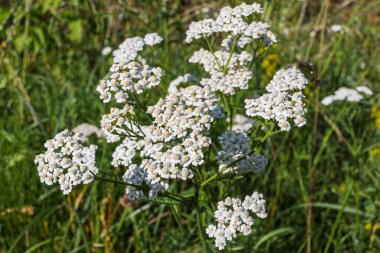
[323, 181]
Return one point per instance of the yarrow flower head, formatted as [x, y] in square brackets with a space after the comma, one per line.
[281, 103]
[66, 162]
[288, 79]
[152, 39]
[128, 50]
[118, 123]
[187, 78]
[229, 20]
[137, 175]
[236, 149]
[181, 122]
[85, 130]
[235, 77]
[129, 72]
[233, 216]
[174, 141]
[132, 77]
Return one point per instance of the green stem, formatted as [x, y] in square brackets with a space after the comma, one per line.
[169, 195]
[115, 181]
[231, 53]
[231, 113]
[338, 219]
[226, 105]
[200, 226]
[212, 52]
[142, 106]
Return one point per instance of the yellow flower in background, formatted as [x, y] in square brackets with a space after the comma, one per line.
[342, 187]
[376, 115]
[375, 226]
[270, 65]
[375, 152]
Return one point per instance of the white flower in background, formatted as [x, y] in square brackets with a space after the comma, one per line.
[281, 103]
[66, 162]
[286, 32]
[235, 216]
[242, 123]
[344, 93]
[173, 86]
[106, 51]
[335, 28]
[235, 146]
[152, 39]
[365, 90]
[86, 130]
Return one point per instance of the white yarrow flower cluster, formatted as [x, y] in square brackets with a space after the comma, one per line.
[131, 77]
[187, 78]
[281, 103]
[337, 28]
[235, 216]
[288, 79]
[66, 162]
[230, 20]
[117, 123]
[125, 152]
[236, 76]
[169, 138]
[351, 95]
[178, 133]
[85, 130]
[129, 73]
[236, 149]
[228, 72]
[170, 145]
[152, 39]
[138, 175]
[254, 31]
[128, 50]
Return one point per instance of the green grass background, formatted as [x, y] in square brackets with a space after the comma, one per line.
[50, 63]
